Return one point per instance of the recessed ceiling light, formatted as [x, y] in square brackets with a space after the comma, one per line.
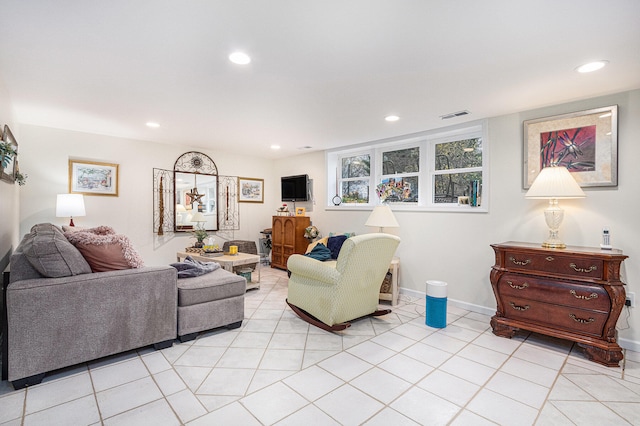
[592, 66]
[392, 118]
[153, 124]
[275, 146]
[239, 58]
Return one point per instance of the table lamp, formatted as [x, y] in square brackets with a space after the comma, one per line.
[70, 205]
[554, 183]
[199, 219]
[382, 217]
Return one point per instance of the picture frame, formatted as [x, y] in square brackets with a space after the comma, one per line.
[9, 172]
[301, 211]
[586, 142]
[93, 178]
[250, 190]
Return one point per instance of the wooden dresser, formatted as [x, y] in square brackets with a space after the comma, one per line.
[287, 238]
[573, 293]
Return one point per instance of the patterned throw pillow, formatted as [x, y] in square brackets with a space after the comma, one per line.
[105, 250]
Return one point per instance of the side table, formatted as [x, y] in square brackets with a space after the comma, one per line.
[227, 262]
[394, 268]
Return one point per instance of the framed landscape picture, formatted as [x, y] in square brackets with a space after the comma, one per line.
[250, 190]
[585, 142]
[93, 178]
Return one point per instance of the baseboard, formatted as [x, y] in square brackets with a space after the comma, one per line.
[631, 345]
[420, 295]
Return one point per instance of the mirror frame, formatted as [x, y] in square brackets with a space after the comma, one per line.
[195, 163]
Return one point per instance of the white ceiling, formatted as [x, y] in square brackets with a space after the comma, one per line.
[324, 73]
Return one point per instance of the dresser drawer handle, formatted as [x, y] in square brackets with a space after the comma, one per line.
[585, 270]
[581, 320]
[518, 287]
[520, 262]
[519, 308]
[549, 258]
[579, 296]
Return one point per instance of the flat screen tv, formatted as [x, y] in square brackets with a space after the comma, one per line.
[295, 188]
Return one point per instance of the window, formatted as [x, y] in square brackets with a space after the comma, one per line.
[457, 165]
[400, 175]
[434, 170]
[354, 178]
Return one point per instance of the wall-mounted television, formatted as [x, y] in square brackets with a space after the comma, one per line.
[295, 188]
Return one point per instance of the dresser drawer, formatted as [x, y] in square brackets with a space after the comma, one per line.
[564, 317]
[570, 266]
[584, 296]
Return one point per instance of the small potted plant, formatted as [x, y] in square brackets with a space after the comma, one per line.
[200, 235]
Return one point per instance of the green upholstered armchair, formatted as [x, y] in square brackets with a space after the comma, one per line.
[330, 294]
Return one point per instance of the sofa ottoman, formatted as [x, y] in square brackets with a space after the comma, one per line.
[209, 301]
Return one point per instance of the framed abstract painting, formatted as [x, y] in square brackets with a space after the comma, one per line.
[585, 142]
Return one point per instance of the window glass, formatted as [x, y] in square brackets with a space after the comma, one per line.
[401, 161]
[353, 187]
[459, 154]
[457, 164]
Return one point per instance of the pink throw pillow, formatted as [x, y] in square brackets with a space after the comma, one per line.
[104, 250]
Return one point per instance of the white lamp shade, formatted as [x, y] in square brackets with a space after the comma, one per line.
[555, 182]
[198, 217]
[180, 208]
[70, 205]
[382, 217]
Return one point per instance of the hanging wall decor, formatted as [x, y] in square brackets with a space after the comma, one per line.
[163, 208]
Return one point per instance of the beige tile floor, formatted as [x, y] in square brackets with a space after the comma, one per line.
[392, 370]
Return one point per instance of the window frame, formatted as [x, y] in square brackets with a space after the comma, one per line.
[426, 142]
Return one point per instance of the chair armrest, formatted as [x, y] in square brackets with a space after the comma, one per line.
[313, 269]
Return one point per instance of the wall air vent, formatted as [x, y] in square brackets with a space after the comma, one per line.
[454, 114]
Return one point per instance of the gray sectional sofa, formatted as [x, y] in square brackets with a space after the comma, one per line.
[59, 313]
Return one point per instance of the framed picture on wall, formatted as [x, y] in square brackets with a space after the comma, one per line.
[93, 178]
[585, 142]
[250, 190]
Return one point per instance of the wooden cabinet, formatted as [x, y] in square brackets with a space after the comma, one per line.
[287, 238]
[573, 293]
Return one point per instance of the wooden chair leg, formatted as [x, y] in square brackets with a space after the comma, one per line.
[305, 316]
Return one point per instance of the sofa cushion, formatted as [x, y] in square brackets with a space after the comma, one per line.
[216, 285]
[105, 250]
[51, 254]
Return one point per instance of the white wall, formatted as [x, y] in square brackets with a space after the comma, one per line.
[44, 154]
[454, 247]
[9, 206]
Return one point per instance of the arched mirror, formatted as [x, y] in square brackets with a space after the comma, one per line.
[195, 178]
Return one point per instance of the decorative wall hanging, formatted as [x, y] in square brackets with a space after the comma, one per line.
[193, 186]
[228, 201]
[585, 142]
[93, 178]
[163, 208]
[8, 156]
[250, 190]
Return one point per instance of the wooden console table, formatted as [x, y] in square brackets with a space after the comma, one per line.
[573, 293]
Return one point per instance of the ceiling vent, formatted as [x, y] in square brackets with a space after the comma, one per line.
[454, 114]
